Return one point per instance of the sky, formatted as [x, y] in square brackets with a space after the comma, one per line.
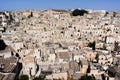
[109, 5]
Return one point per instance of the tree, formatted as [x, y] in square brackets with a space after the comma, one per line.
[114, 14]
[116, 47]
[88, 69]
[92, 45]
[87, 77]
[24, 77]
[57, 79]
[70, 78]
[31, 15]
[4, 29]
[60, 45]
[12, 53]
[10, 18]
[39, 78]
[82, 12]
[2, 45]
[112, 71]
[17, 55]
[103, 77]
[97, 57]
[78, 12]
